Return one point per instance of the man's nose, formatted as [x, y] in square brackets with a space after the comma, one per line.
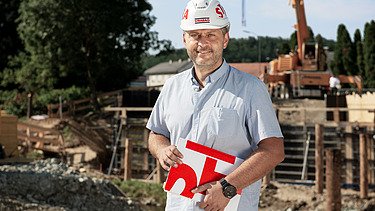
[203, 40]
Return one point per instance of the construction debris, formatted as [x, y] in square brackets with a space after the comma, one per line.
[53, 185]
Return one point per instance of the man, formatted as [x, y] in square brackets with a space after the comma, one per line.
[334, 84]
[217, 106]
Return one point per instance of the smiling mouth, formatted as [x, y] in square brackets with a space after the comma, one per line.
[203, 52]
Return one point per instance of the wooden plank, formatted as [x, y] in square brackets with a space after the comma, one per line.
[127, 160]
[370, 154]
[363, 187]
[333, 181]
[81, 108]
[319, 158]
[34, 128]
[25, 137]
[348, 155]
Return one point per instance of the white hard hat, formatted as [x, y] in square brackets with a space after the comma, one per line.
[204, 14]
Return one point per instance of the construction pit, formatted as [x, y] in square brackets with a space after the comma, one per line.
[76, 182]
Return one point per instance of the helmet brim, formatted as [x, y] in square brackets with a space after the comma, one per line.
[201, 26]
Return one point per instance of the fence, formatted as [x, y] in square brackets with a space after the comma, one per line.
[131, 154]
[36, 137]
[70, 108]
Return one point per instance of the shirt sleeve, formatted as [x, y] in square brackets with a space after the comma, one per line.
[263, 122]
[156, 122]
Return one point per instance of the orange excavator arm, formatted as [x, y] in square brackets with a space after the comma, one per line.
[301, 25]
[350, 79]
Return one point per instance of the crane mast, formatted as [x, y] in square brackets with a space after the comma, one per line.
[301, 25]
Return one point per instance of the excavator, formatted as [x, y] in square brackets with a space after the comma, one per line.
[303, 73]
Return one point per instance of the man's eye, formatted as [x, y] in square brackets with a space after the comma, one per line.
[193, 35]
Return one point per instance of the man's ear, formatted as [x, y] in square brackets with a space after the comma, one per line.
[226, 40]
[183, 38]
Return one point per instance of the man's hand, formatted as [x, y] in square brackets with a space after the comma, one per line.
[169, 156]
[214, 199]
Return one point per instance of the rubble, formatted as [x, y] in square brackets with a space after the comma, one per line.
[52, 185]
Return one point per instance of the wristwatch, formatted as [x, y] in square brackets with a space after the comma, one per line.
[229, 190]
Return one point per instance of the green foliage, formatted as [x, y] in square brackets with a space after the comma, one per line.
[284, 48]
[242, 50]
[358, 47]
[94, 44]
[91, 43]
[13, 102]
[139, 190]
[52, 96]
[311, 35]
[293, 41]
[10, 43]
[149, 61]
[369, 52]
[246, 49]
[328, 43]
[344, 58]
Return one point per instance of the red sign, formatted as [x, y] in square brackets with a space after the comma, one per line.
[201, 165]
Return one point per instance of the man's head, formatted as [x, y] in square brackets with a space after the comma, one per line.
[206, 32]
[204, 14]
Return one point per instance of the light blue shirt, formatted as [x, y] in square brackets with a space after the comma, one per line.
[232, 114]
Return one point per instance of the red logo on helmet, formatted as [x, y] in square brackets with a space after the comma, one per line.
[202, 20]
[186, 14]
[220, 11]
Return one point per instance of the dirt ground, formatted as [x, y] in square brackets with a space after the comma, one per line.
[278, 196]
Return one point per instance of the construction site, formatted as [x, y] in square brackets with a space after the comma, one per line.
[69, 158]
[99, 148]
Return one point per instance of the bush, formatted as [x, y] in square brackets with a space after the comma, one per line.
[16, 103]
[52, 96]
[142, 190]
[13, 102]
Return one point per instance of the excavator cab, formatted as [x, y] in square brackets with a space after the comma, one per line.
[313, 57]
[309, 56]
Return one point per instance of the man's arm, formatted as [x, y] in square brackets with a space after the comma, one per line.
[160, 147]
[270, 152]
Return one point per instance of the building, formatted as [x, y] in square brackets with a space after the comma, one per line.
[257, 69]
[158, 74]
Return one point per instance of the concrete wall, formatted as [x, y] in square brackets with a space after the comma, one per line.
[158, 80]
[8, 133]
[366, 101]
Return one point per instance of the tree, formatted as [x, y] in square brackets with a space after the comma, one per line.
[319, 40]
[344, 61]
[86, 43]
[369, 52]
[284, 48]
[10, 43]
[358, 47]
[293, 42]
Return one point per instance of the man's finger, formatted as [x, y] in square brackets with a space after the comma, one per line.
[202, 205]
[201, 188]
[163, 165]
[175, 155]
[177, 152]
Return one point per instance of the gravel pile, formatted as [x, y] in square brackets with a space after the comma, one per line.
[52, 185]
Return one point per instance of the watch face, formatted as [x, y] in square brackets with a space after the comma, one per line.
[229, 191]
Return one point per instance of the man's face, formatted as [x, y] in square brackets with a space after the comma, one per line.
[205, 46]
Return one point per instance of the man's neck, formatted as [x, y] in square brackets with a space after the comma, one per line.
[202, 72]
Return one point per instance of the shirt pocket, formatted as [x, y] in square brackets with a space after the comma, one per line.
[222, 123]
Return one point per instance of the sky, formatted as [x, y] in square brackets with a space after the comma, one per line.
[274, 18]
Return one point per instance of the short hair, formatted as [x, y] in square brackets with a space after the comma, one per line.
[225, 29]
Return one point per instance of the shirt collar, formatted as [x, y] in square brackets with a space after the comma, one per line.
[213, 77]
